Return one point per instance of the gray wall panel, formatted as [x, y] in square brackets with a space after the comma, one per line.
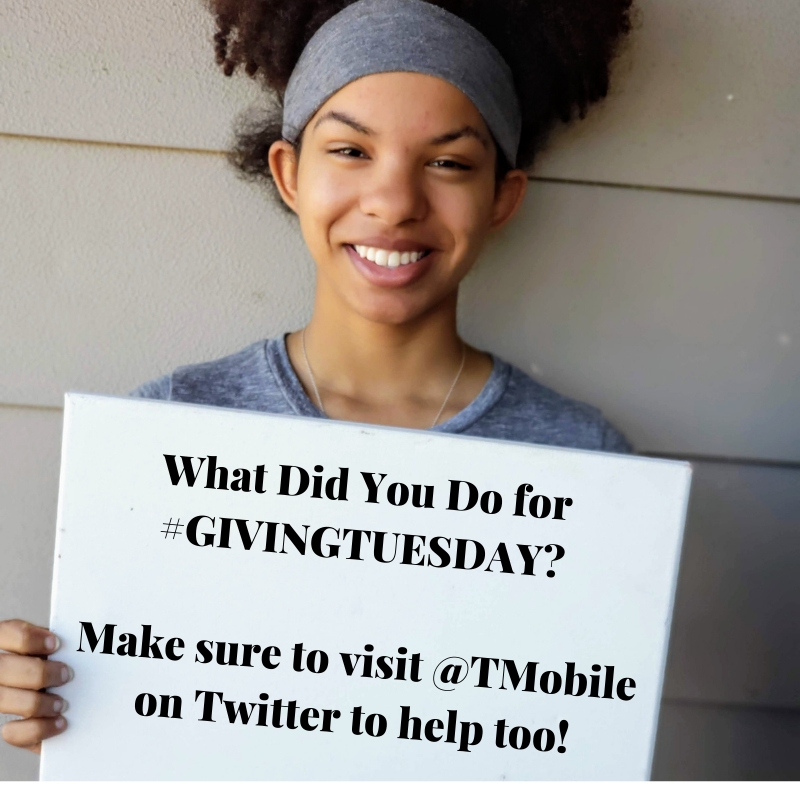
[140, 72]
[736, 626]
[30, 443]
[679, 316]
[706, 97]
[714, 743]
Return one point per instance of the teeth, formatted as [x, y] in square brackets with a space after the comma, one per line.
[387, 258]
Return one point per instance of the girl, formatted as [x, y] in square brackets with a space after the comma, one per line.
[400, 138]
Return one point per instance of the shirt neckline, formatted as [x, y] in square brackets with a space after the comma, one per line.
[281, 367]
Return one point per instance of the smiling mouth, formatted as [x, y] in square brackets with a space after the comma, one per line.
[389, 259]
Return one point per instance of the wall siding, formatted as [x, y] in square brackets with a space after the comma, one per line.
[676, 312]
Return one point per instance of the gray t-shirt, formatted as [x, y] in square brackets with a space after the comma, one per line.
[511, 405]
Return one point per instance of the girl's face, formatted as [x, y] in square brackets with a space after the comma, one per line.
[395, 193]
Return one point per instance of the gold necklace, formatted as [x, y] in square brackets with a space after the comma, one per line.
[444, 402]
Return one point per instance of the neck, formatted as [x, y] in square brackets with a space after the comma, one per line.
[387, 374]
[379, 362]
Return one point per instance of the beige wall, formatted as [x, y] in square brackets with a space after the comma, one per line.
[653, 271]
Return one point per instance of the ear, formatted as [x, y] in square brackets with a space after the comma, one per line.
[508, 198]
[283, 165]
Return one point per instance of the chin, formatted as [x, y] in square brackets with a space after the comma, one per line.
[392, 311]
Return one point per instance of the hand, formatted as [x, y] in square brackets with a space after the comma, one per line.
[24, 674]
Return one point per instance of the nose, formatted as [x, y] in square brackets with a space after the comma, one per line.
[395, 192]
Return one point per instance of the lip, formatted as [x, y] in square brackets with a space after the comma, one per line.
[395, 278]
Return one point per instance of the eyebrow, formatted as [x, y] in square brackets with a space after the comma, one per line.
[467, 131]
[346, 119]
[445, 138]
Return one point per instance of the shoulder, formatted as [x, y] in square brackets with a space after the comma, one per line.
[529, 411]
[157, 389]
[239, 380]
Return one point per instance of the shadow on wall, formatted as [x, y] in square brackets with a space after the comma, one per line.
[731, 707]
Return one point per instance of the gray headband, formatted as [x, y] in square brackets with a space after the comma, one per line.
[372, 36]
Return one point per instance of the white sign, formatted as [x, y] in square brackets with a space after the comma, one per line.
[250, 596]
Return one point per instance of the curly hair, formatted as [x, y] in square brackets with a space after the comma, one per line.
[559, 52]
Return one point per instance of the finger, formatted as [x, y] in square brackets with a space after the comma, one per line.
[27, 703]
[28, 733]
[26, 672]
[21, 637]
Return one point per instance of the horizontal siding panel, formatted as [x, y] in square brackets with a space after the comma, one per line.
[30, 441]
[735, 626]
[17, 765]
[705, 97]
[677, 315]
[128, 263]
[713, 743]
[143, 73]
[140, 72]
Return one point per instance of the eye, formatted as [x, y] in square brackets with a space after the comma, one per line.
[449, 164]
[348, 152]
